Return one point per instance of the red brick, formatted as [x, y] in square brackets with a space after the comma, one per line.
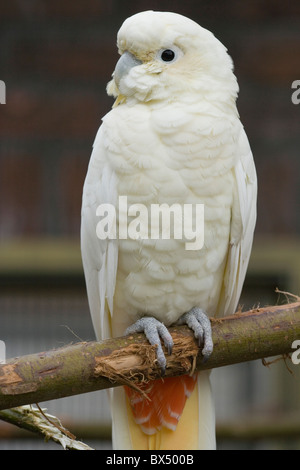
[58, 57]
[278, 194]
[86, 61]
[271, 58]
[61, 59]
[214, 11]
[55, 8]
[20, 201]
[267, 10]
[71, 174]
[206, 9]
[38, 114]
[78, 8]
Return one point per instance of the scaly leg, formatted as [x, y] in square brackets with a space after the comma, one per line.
[153, 330]
[198, 321]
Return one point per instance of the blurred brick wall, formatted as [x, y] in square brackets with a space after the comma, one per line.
[56, 58]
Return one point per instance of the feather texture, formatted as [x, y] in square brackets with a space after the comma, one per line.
[162, 403]
[173, 137]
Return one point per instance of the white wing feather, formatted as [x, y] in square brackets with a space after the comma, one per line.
[242, 227]
[100, 257]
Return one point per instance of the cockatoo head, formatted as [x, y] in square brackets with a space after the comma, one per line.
[167, 56]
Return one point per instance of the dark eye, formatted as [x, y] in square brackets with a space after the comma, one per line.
[167, 55]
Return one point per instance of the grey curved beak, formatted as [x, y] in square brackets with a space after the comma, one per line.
[124, 64]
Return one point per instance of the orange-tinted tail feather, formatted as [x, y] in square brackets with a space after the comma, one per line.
[164, 403]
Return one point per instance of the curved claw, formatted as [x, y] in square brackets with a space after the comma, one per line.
[198, 321]
[154, 330]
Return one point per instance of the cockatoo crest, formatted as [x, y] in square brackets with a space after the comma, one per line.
[170, 56]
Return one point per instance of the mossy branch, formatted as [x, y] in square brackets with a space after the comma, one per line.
[89, 366]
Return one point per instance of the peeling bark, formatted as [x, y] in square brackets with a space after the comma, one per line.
[86, 367]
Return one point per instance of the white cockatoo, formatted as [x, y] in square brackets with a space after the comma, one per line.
[173, 136]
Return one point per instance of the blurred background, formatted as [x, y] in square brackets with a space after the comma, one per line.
[56, 59]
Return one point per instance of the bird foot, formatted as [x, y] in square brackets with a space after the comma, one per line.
[154, 330]
[198, 321]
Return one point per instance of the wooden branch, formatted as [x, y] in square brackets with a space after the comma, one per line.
[39, 422]
[86, 367]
